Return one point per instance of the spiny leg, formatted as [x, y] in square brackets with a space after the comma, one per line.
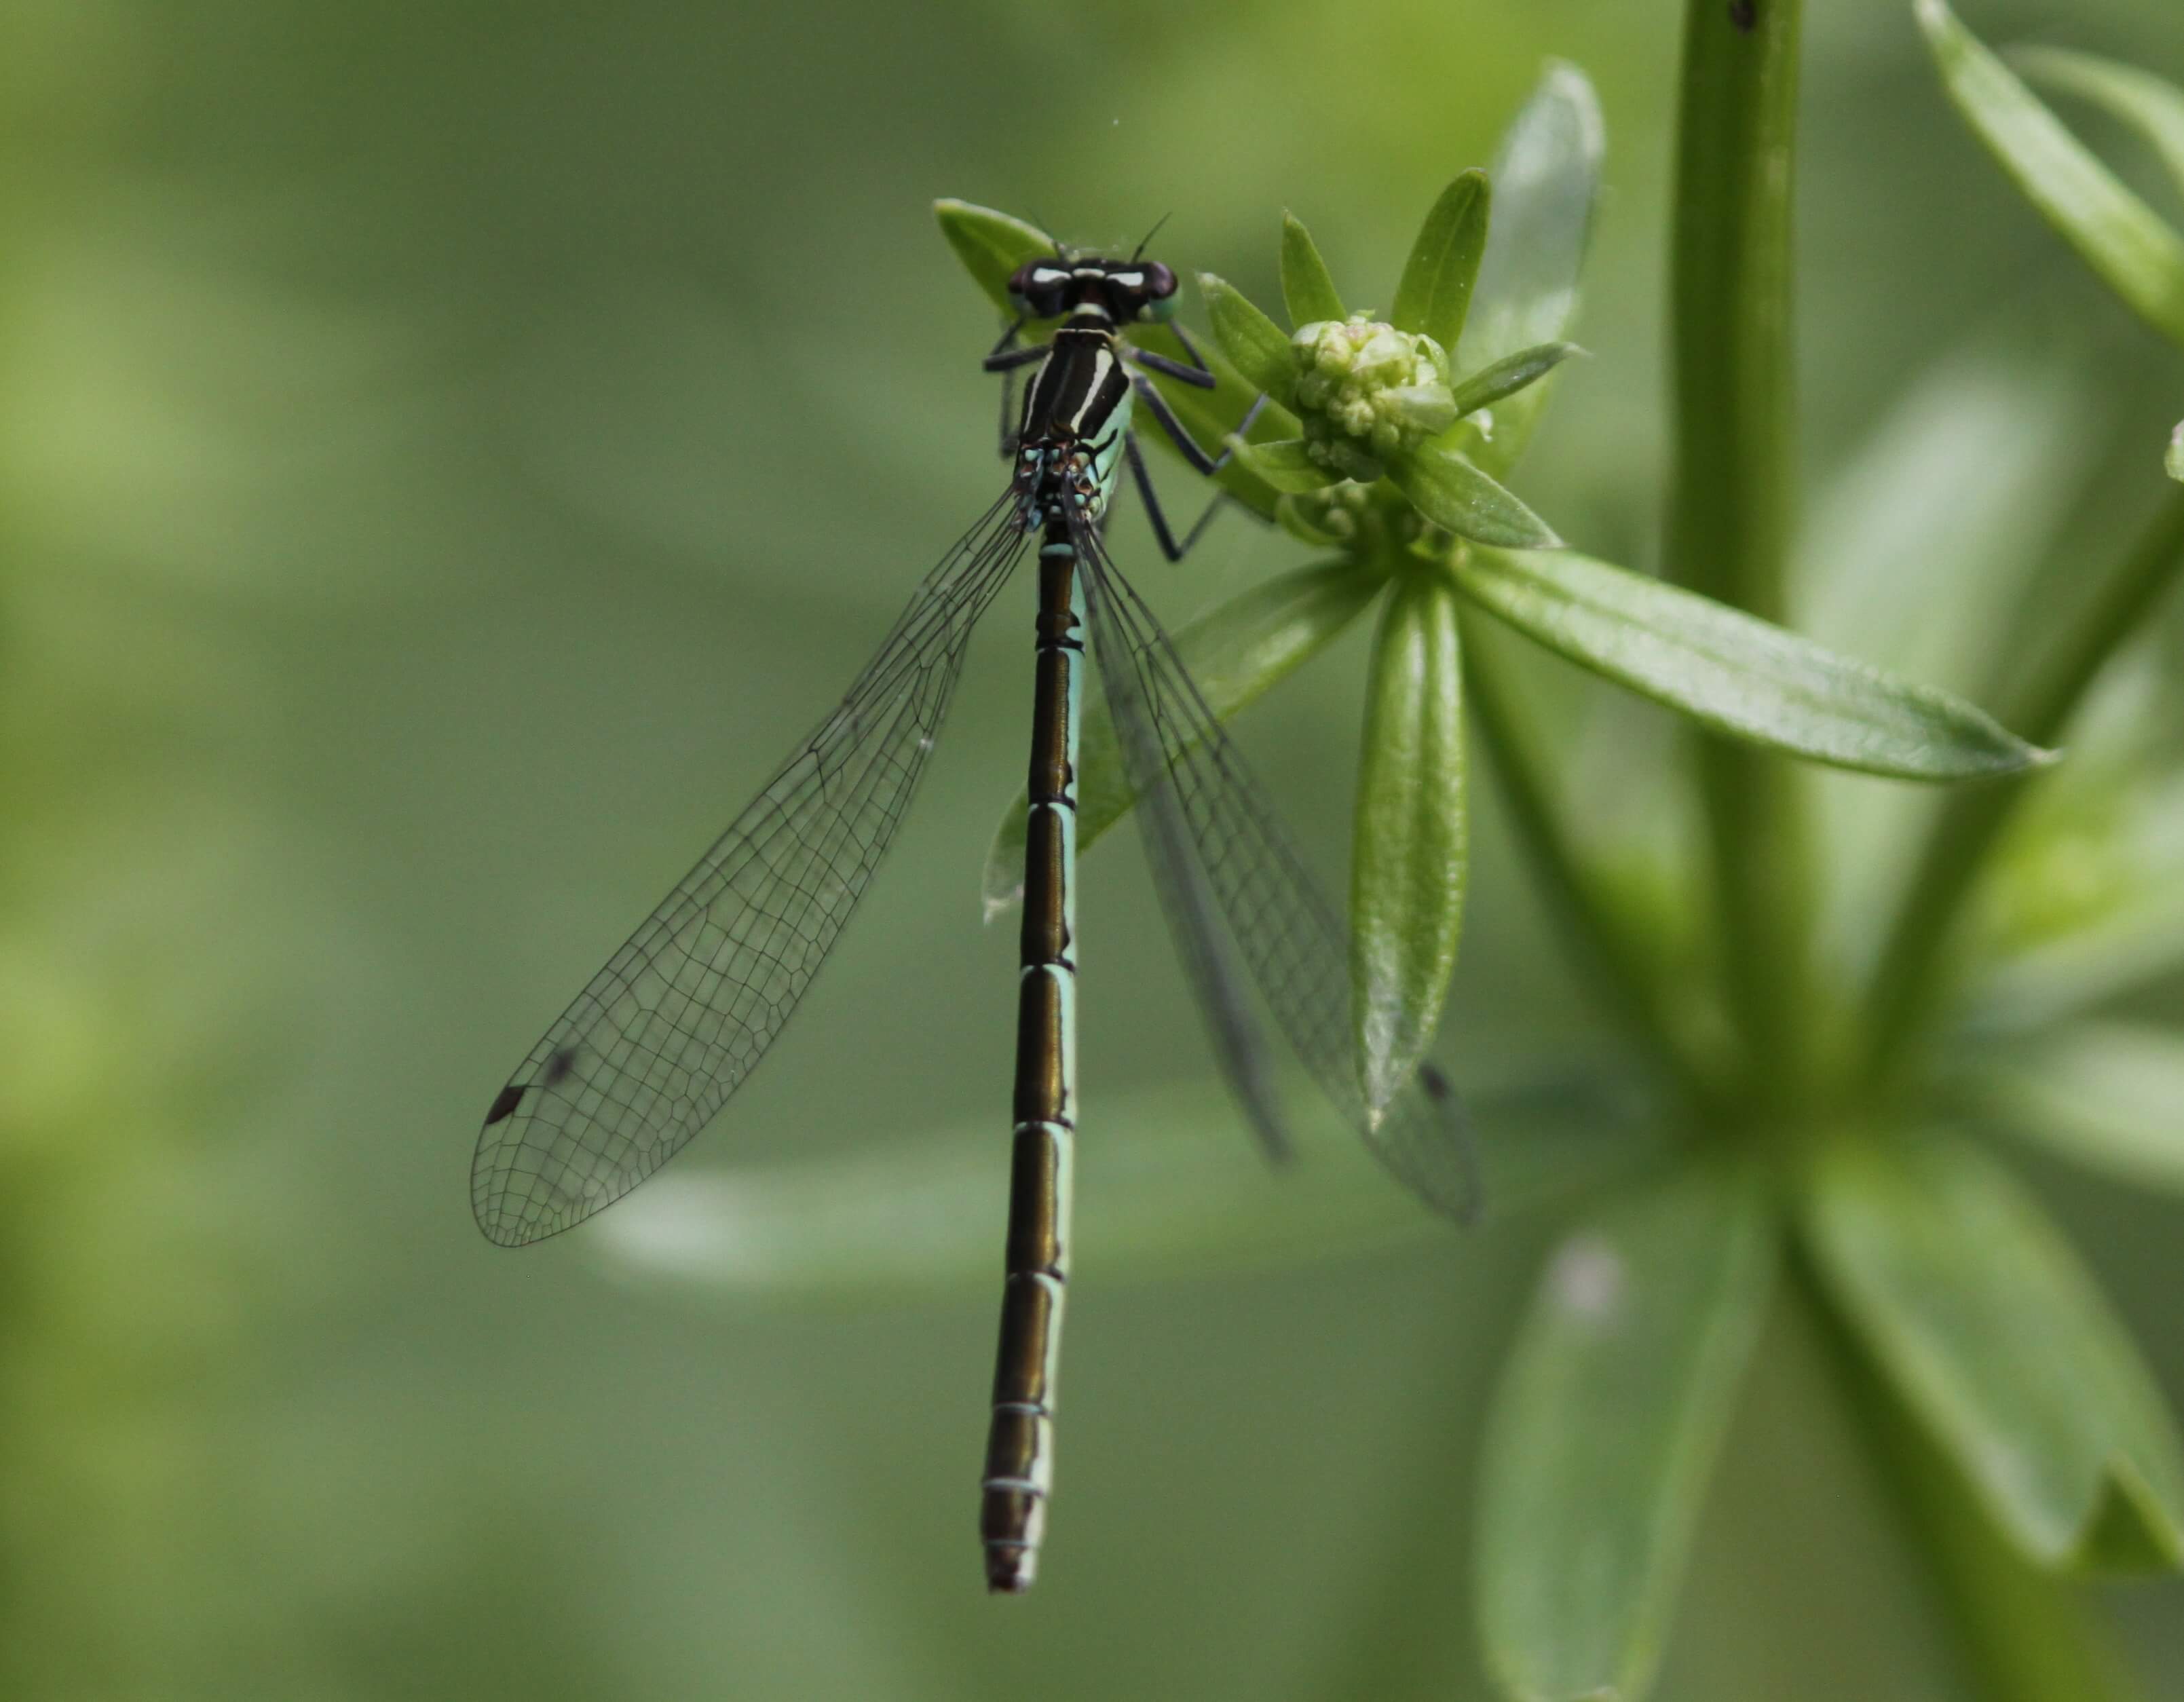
[1198, 372]
[1161, 534]
[1006, 341]
[1179, 434]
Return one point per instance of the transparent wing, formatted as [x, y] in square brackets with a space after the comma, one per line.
[654, 1046]
[1210, 831]
[1184, 892]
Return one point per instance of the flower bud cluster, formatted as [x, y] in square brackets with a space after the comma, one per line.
[1366, 391]
[1349, 513]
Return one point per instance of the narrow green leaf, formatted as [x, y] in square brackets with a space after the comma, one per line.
[1510, 375]
[2109, 1095]
[1435, 296]
[990, 245]
[1286, 466]
[2083, 899]
[1737, 674]
[1976, 1309]
[2118, 236]
[1452, 493]
[1259, 348]
[2026, 1634]
[1235, 652]
[1611, 1410]
[1181, 1193]
[2138, 940]
[1546, 179]
[1410, 846]
[1307, 288]
[2149, 105]
[2176, 454]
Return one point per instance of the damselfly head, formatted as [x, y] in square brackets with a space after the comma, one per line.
[1127, 290]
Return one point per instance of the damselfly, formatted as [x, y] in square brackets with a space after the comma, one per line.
[679, 1016]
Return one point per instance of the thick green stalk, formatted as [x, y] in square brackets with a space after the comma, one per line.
[1914, 968]
[2022, 1635]
[1733, 504]
[1619, 967]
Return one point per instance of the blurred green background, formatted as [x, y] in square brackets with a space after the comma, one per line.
[447, 453]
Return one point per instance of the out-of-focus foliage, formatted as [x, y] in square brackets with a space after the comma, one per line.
[2134, 249]
[447, 453]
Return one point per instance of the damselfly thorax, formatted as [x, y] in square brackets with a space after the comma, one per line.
[1076, 411]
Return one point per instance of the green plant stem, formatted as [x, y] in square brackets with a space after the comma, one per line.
[1914, 968]
[1733, 504]
[1621, 969]
[2022, 1635]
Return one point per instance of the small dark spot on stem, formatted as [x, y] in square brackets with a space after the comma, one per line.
[1744, 14]
[504, 1102]
[1435, 1083]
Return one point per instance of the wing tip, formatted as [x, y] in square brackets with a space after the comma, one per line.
[1461, 1198]
[500, 1222]
[506, 1213]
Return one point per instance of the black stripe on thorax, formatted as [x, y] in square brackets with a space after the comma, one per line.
[1080, 384]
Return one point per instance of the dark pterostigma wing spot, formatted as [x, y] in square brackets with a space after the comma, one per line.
[661, 1036]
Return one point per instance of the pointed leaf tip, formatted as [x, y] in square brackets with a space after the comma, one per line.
[1737, 674]
[1547, 181]
[1452, 493]
[1509, 376]
[990, 245]
[1308, 289]
[1435, 296]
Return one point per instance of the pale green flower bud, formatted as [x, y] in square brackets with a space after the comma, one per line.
[1366, 391]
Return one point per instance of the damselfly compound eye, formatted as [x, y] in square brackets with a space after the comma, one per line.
[1041, 288]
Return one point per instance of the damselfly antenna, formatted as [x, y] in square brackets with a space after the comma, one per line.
[1139, 253]
[1060, 253]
